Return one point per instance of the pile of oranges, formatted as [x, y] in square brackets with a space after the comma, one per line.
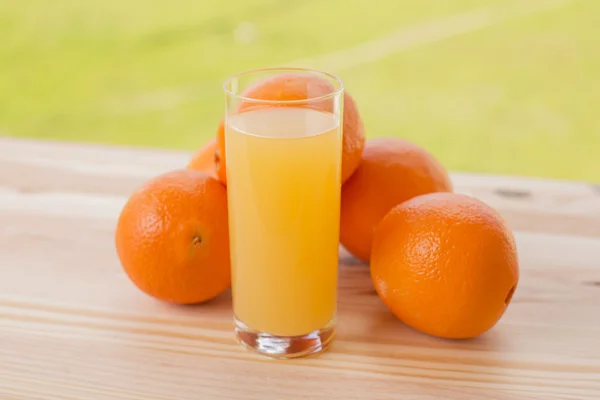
[443, 263]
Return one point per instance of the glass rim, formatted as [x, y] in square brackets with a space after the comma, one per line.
[332, 77]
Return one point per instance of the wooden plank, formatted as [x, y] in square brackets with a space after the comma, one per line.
[30, 167]
[72, 326]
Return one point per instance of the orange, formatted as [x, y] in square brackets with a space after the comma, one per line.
[391, 171]
[445, 264]
[204, 158]
[290, 86]
[172, 237]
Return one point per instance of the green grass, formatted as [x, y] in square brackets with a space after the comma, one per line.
[519, 97]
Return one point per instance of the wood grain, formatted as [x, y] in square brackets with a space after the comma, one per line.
[73, 327]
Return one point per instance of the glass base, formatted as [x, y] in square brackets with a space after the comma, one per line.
[283, 347]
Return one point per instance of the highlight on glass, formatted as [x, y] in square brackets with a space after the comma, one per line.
[283, 141]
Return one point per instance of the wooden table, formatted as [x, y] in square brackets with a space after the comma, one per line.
[72, 326]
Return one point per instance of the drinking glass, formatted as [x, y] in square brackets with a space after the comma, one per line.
[283, 142]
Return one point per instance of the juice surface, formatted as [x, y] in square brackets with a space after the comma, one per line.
[283, 187]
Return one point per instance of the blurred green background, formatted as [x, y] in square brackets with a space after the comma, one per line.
[500, 86]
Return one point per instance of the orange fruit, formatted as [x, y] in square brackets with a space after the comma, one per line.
[172, 237]
[204, 158]
[391, 171]
[445, 264]
[291, 86]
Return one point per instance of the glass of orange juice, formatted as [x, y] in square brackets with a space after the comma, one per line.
[283, 145]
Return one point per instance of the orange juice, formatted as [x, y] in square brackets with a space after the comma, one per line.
[283, 187]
